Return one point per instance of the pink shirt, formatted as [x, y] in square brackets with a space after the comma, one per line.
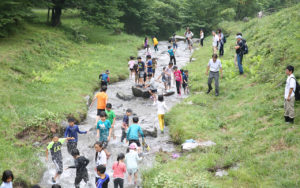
[131, 64]
[177, 75]
[119, 169]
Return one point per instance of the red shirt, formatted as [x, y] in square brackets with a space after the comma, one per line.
[177, 75]
[119, 169]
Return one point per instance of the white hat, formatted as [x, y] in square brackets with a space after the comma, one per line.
[238, 37]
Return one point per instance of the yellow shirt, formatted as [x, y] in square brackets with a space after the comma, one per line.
[155, 41]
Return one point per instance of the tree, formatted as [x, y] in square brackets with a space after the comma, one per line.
[11, 13]
[102, 12]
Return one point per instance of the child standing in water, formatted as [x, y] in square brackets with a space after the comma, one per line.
[55, 149]
[111, 116]
[172, 54]
[72, 131]
[100, 157]
[185, 84]
[125, 124]
[101, 98]
[161, 110]
[146, 43]
[7, 179]
[178, 79]
[131, 65]
[169, 72]
[80, 164]
[119, 169]
[163, 77]
[104, 131]
[154, 64]
[155, 43]
[153, 87]
[103, 180]
[131, 160]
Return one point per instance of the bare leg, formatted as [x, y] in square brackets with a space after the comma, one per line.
[135, 178]
[56, 176]
[129, 178]
[97, 119]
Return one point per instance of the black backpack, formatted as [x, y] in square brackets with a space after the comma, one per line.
[245, 47]
[224, 39]
[297, 90]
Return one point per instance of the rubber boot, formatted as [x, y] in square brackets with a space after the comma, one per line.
[287, 119]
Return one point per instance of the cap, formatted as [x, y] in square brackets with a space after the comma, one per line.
[133, 146]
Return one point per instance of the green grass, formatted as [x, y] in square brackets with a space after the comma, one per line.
[246, 120]
[45, 74]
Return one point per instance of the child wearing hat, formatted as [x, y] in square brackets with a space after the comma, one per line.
[131, 160]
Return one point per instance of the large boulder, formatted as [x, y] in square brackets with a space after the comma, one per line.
[139, 91]
[190, 145]
[178, 38]
[169, 93]
[124, 97]
[149, 130]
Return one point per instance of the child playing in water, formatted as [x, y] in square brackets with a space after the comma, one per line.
[125, 124]
[104, 131]
[131, 160]
[7, 179]
[104, 78]
[101, 98]
[185, 82]
[119, 169]
[100, 157]
[55, 149]
[111, 116]
[164, 78]
[169, 72]
[154, 64]
[155, 43]
[103, 177]
[130, 65]
[134, 131]
[153, 87]
[161, 109]
[172, 54]
[178, 79]
[72, 131]
[80, 164]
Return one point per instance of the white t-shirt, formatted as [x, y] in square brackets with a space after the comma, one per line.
[189, 34]
[101, 159]
[214, 66]
[131, 64]
[161, 107]
[202, 35]
[6, 185]
[290, 83]
[215, 40]
[169, 71]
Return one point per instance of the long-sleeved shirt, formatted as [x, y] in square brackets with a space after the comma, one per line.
[131, 159]
[161, 107]
[80, 165]
[72, 131]
[133, 132]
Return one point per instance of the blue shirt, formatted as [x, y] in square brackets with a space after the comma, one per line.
[149, 69]
[72, 132]
[104, 130]
[185, 78]
[104, 77]
[101, 183]
[171, 52]
[133, 132]
[126, 119]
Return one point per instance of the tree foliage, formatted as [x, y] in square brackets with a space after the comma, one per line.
[11, 13]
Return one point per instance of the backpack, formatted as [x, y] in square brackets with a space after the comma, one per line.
[224, 39]
[245, 47]
[297, 90]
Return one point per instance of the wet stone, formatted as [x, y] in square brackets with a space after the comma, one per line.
[138, 91]
[124, 97]
[221, 173]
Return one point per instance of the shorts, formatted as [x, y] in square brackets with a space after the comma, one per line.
[103, 83]
[153, 91]
[58, 165]
[71, 146]
[131, 69]
[104, 144]
[168, 80]
[135, 141]
[99, 111]
[184, 85]
[141, 74]
[132, 171]
[153, 71]
[149, 74]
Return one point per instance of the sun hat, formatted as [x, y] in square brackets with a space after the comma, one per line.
[133, 146]
[239, 37]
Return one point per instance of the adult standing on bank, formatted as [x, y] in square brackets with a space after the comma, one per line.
[201, 37]
[214, 67]
[239, 53]
[289, 95]
[188, 36]
[215, 42]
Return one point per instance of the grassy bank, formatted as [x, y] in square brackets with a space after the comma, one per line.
[245, 121]
[45, 74]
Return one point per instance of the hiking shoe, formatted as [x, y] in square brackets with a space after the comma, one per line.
[53, 180]
[208, 91]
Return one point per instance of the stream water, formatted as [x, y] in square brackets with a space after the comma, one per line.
[143, 108]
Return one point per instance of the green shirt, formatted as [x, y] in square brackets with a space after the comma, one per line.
[110, 116]
[55, 148]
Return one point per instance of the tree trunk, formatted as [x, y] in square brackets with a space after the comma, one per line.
[55, 17]
[48, 15]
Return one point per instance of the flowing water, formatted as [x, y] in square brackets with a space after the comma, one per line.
[143, 108]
